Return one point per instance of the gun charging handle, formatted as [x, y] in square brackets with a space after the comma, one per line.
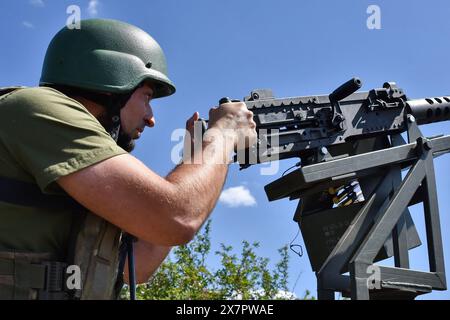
[339, 94]
[345, 90]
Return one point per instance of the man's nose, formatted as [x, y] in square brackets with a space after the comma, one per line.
[149, 118]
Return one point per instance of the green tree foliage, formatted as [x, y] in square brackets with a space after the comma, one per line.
[185, 274]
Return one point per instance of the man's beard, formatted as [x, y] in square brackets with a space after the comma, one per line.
[125, 141]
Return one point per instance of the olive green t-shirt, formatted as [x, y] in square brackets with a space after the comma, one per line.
[45, 135]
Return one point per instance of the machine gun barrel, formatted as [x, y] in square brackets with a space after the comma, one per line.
[429, 110]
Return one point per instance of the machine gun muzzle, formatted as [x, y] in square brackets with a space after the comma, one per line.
[430, 110]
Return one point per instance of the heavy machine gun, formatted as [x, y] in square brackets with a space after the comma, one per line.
[353, 208]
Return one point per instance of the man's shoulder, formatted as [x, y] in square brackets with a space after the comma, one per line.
[40, 100]
[36, 95]
[6, 90]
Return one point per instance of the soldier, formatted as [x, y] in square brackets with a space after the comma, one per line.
[69, 139]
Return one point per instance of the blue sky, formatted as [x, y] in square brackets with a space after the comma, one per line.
[228, 48]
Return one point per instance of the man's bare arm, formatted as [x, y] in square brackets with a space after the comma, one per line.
[162, 211]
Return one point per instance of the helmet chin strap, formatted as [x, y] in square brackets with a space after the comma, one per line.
[116, 104]
[122, 139]
[115, 127]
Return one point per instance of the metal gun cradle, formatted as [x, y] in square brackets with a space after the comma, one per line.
[345, 137]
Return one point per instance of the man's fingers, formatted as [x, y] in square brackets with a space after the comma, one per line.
[196, 116]
[190, 122]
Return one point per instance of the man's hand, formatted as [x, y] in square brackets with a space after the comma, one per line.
[234, 121]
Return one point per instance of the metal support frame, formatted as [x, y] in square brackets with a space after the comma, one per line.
[383, 214]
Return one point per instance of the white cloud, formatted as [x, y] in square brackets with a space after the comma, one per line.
[93, 7]
[28, 24]
[237, 197]
[37, 3]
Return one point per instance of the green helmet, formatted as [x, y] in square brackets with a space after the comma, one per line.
[106, 56]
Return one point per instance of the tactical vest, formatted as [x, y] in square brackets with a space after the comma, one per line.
[96, 247]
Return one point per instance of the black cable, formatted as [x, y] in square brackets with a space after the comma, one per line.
[296, 165]
[292, 246]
